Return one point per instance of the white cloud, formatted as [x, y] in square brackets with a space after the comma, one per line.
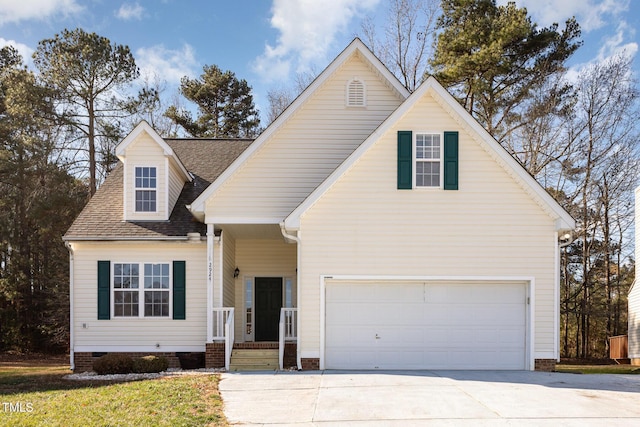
[128, 12]
[615, 43]
[170, 65]
[22, 10]
[591, 14]
[22, 49]
[307, 30]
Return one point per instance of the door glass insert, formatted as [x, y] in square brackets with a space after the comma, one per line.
[288, 292]
[248, 306]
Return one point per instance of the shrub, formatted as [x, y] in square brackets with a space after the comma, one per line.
[113, 364]
[150, 364]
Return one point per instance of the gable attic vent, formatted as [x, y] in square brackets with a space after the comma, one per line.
[356, 93]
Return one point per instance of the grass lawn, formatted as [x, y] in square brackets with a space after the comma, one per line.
[34, 393]
[597, 369]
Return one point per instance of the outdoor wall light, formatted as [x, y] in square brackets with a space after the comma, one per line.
[236, 273]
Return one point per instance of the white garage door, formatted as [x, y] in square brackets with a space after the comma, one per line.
[408, 325]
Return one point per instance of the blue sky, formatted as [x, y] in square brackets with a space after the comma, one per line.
[267, 41]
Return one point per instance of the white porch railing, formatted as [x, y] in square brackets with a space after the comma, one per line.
[288, 330]
[223, 329]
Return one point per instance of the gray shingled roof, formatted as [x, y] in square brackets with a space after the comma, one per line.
[205, 159]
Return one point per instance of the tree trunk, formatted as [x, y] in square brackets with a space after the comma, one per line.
[92, 148]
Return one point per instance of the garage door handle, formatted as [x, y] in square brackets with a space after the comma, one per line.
[377, 337]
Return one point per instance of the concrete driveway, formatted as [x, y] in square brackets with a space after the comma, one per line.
[450, 398]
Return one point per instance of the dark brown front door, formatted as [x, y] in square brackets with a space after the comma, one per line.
[268, 297]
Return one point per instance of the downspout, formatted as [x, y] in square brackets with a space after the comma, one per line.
[298, 252]
[562, 242]
[71, 335]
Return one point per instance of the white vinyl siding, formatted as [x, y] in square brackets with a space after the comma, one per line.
[305, 150]
[634, 322]
[261, 258]
[143, 333]
[176, 183]
[229, 266]
[634, 295]
[491, 227]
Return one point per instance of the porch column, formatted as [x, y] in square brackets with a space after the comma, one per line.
[210, 245]
[220, 263]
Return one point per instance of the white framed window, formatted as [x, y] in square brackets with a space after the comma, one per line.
[356, 93]
[146, 184]
[428, 160]
[126, 290]
[141, 289]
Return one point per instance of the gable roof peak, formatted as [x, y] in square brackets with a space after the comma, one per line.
[145, 127]
[563, 219]
[356, 46]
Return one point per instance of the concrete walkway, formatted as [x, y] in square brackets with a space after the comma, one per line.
[449, 398]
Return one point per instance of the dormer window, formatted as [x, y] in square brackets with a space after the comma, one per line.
[356, 94]
[146, 189]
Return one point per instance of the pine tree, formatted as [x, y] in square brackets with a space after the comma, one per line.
[491, 57]
[225, 106]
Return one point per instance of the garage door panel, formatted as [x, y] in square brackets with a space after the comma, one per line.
[411, 359]
[486, 336]
[355, 336]
[435, 336]
[511, 337]
[436, 314]
[425, 325]
[349, 359]
[399, 292]
[461, 337]
[388, 336]
[509, 294]
[513, 312]
[343, 313]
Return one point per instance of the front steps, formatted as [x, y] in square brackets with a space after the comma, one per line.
[255, 359]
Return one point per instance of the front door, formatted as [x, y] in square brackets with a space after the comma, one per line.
[268, 298]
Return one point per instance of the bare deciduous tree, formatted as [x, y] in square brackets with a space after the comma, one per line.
[409, 32]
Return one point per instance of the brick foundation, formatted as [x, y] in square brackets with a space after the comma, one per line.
[214, 356]
[546, 365]
[310, 364]
[83, 361]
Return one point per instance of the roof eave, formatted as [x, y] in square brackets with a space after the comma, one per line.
[123, 238]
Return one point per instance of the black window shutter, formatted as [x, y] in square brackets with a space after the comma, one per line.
[179, 290]
[104, 291]
[405, 160]
[451, 160]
